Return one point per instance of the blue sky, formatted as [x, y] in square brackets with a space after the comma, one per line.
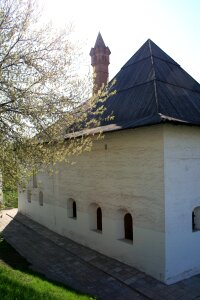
[174, 25]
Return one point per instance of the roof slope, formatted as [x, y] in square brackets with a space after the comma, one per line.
[151, 88]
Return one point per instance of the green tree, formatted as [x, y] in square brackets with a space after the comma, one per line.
[39, 90]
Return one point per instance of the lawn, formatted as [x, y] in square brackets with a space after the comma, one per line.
[18, 282]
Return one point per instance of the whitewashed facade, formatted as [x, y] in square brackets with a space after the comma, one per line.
[151, 173]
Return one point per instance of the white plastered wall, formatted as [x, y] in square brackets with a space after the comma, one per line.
[182, 195]
[126, 175]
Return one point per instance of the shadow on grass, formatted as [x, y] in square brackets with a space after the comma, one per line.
[18, 281]
[11, 257]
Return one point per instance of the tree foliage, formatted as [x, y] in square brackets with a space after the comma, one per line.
[39, 90]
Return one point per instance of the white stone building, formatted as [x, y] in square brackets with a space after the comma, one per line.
[136, 195]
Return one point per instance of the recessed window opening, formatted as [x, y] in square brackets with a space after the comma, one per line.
[29, 196]
[196, 219]
[128, 227]
[74, 209]
[71, 208]
[34, 181]
[99, 219]
[41, 198]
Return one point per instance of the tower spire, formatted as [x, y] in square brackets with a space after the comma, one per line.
[100, 61]
[99, 41]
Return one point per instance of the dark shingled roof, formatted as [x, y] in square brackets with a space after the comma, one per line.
[151, 88]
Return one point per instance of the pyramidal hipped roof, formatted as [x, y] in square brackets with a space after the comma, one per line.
[151, 88]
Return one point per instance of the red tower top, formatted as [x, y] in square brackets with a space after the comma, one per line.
[100, 61]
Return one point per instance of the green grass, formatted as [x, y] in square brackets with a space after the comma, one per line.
[18, 282]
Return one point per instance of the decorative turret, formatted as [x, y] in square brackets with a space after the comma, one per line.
[100, 61]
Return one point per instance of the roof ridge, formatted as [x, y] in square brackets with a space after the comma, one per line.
[151, 55]
[154, 80]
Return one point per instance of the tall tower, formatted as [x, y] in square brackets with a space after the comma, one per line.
[100, 61]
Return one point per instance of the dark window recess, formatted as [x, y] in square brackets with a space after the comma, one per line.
[74, 209]
[99, 219]
[193, 221]
[196, 219]
[41, 198]
[29, 196]
[34, 181]
[128, 227]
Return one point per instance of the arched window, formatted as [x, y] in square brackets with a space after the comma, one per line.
[99, 219]
[128, 227]
[71, 208]
[74, 209]
[196, 219]
[41, 198]
[29, 196]
[34, 180]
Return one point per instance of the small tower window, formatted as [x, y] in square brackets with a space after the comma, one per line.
[128, 227]
[99, 219]
[196, 219]
[41, 198]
